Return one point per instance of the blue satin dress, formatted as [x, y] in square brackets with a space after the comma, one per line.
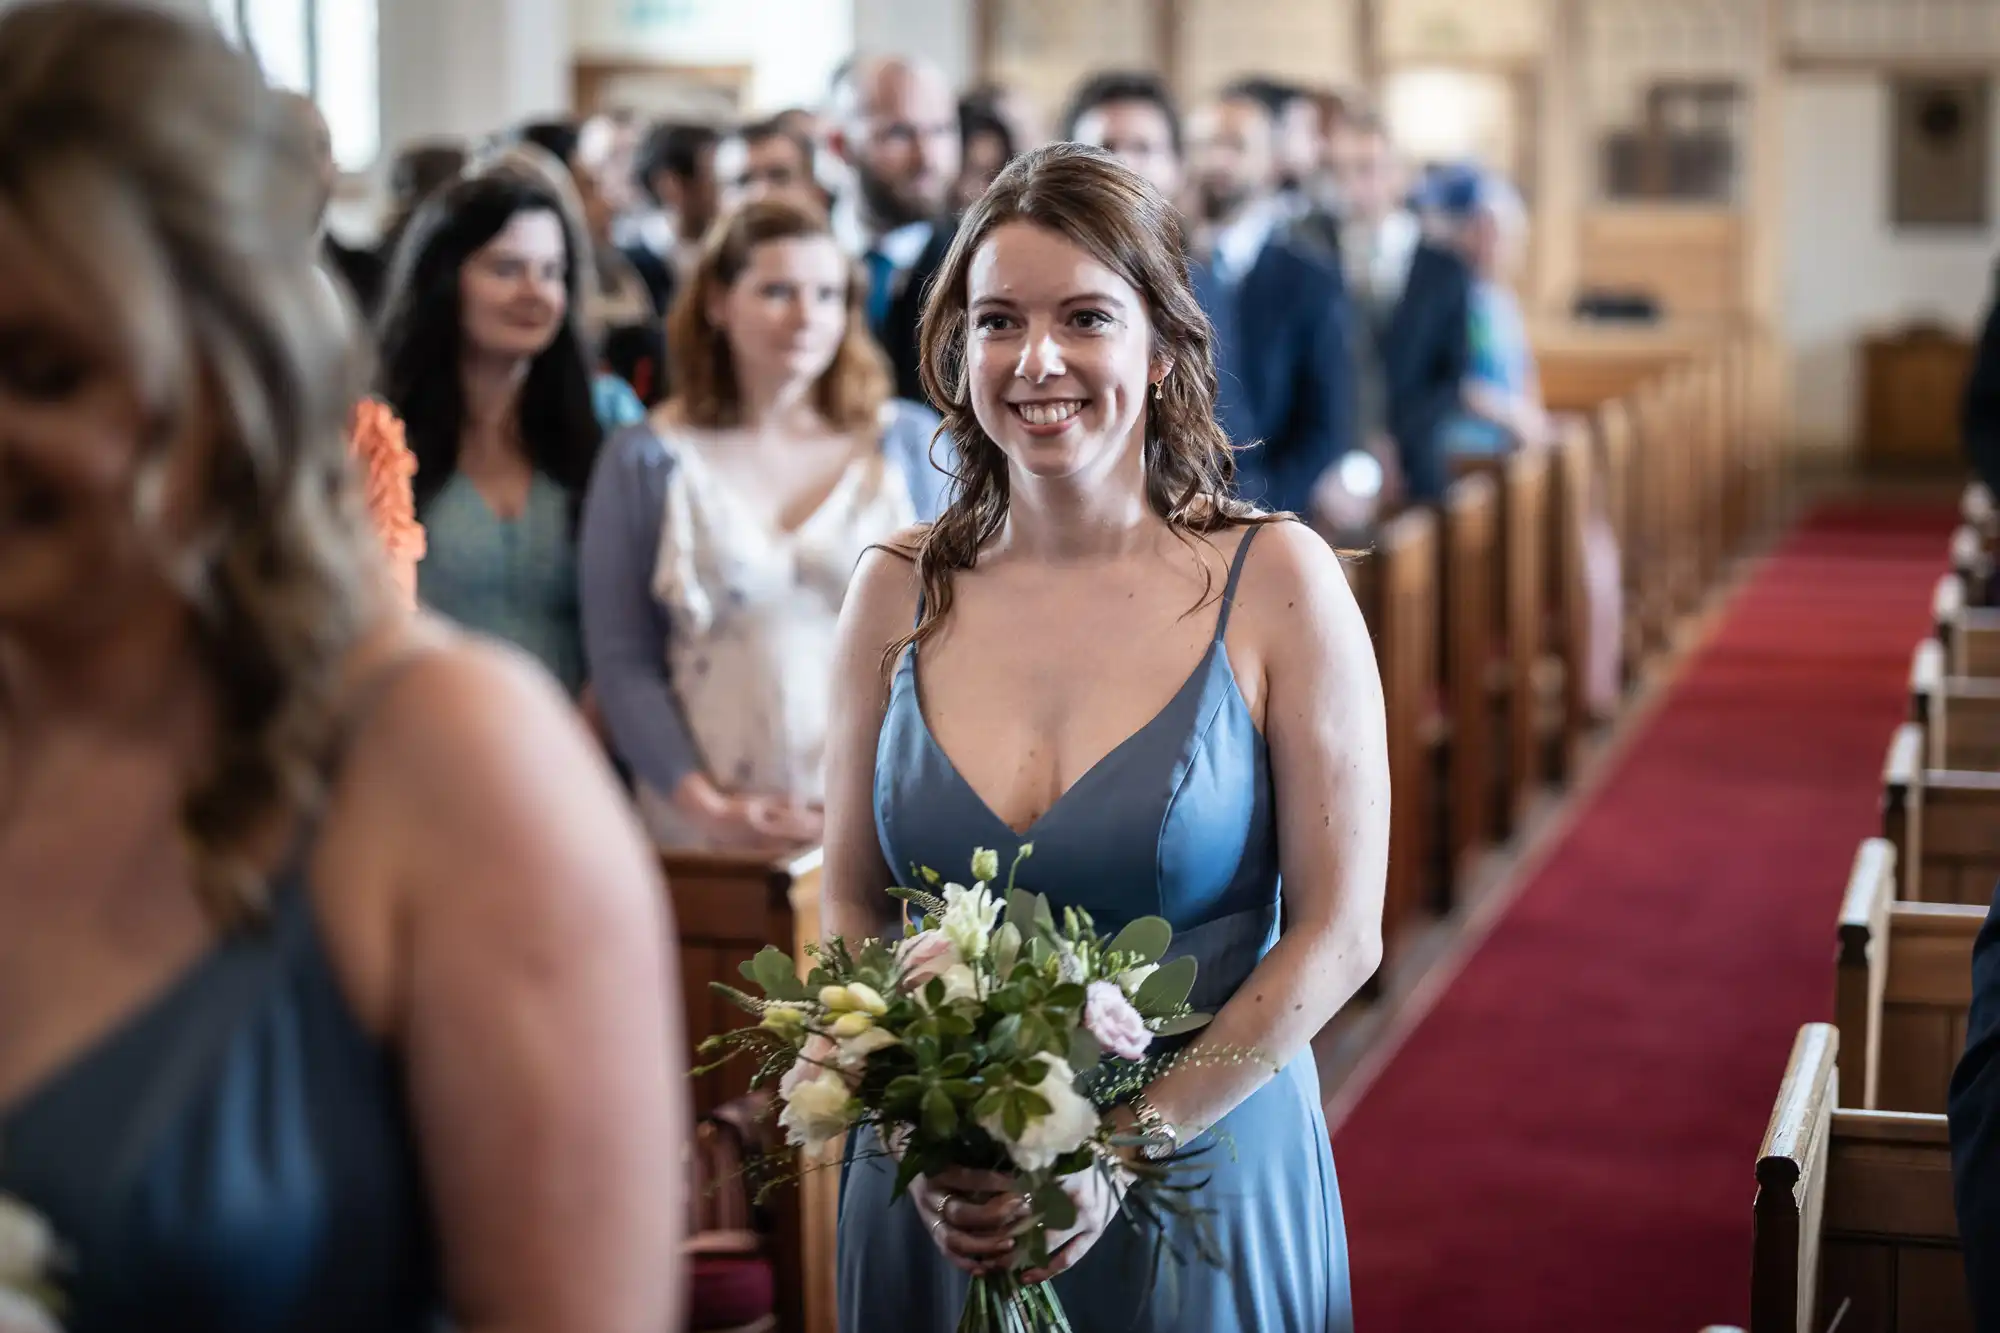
[1177, 821]
[235, 1157]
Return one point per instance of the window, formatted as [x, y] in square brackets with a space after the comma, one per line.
[325, 49]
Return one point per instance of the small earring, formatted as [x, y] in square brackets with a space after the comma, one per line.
[1160, 390]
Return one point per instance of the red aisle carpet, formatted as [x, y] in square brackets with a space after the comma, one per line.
[1566, 1141]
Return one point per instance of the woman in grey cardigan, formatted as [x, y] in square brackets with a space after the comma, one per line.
[719, 535]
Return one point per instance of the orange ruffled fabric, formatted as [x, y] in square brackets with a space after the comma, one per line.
[388, 469]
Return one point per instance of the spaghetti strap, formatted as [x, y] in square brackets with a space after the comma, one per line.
[1235, 577]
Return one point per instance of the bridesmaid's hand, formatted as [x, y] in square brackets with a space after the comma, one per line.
[973, 1216]
[1096, 1197]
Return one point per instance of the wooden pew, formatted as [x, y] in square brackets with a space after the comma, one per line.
[1902, 990]
[1471, 547]
[1970, 634]
[727, 907]
[1574, 496]
[1617, 436]
[1397, 587]
[1960, 715]
[1853, 1221]
[1944, 824]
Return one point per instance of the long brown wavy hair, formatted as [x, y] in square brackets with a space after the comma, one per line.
[855, 384]
[146, 156]
[1122, 222]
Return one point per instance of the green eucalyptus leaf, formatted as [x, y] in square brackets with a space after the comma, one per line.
[1148, 938]
[955, 1066]
[960, 1089]
[990, 1104]
[773, 969]
[1044, 917]
[1006, 1034]
[1030, 1072]
[1032, 1102]
[909, 1085]
[1014, 1118]
[940, 1116]
[1056, 1209]
[1021, 912]
[907, 1170]
[1084, 1052]
[1167, 989]
[1175, 1027]
[1069, 995]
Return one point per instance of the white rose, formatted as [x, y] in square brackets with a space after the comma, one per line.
[26, 1245]
[1130, 981]
[1068, 1125]
[960, 983]
[969, 918]
[854, 1051]
[818, 1111]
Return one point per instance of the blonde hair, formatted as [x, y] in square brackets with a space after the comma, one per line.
[150, 163]
[855, 384]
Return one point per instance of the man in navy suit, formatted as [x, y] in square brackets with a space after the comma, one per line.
[1414, 299]
[895, 124]
[1974, 1109]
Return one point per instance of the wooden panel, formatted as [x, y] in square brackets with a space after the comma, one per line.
[1931, 1296]
[1524, 521]
[1472, 532]
[1574, 499]
[1690, 260]
[1861, 975]
[1399, 594]
[1913, 384]
[1902, 805]
[1960, 836]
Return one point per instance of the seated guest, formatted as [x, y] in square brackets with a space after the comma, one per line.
[483, 361]
[1974, 1109]
[986, 145]
[677, 169]
[719, 537]
[895, 125]
[336, 974]
[613, 395]
[766, 159]
[1132, 116]
[1286, 371]
[418, 172]
[1485, 222]
[1413, 299]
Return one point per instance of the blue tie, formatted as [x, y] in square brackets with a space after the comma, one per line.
[881, 288]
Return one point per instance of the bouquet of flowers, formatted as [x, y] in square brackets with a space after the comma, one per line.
[28, 1300]
[988, 1038]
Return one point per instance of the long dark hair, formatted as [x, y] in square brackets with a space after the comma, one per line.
[423, 339]
[1087, 196]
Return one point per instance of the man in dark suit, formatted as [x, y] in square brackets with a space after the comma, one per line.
[1286, 371]
[894, 122]
[1974, 1109]
[1414, 300]
[1982, 401]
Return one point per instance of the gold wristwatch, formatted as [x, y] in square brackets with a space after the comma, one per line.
[1158, 1139]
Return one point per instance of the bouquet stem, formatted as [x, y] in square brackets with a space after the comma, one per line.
[1000, 1304]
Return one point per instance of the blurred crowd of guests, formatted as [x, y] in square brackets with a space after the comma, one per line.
[661, 380]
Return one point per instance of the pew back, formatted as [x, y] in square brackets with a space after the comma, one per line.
[1903, 988]
[1960, 714]
[1945, 824]
[1471, 543]
[1853, 1220]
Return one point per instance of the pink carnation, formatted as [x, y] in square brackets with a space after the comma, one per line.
[924, 956]
[1110, 1017]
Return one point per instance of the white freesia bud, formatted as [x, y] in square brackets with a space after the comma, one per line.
[985, 865]
[26, 1245]
[818, 1111]
[1070, 1122]
[850, 1025]
[1130, 981]
[836, 998]
[784, 1018]
[866, 999]
[969, 918]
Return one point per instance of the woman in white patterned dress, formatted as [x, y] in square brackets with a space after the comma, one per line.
[719, 536]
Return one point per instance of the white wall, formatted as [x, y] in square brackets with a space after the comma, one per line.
[791, 46]
[939, 29]
[1847, 272]
[470, 67]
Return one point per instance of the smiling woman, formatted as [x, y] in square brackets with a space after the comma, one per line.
[1072, 681]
